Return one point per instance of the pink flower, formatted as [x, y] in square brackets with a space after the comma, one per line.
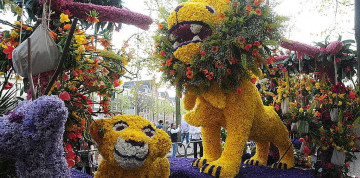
[301, 48]
[253, 80]
[334, 47]
[338, 60]
[203, 53]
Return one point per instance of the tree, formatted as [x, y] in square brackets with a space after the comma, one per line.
[120, 104]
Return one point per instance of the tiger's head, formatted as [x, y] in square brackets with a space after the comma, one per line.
[129, 141]
[191, 23]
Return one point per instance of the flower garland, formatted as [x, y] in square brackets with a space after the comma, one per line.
[229, 48]
[106, 13]
[131, 146]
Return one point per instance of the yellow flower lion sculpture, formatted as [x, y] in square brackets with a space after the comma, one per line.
[241, 113]
[130, 146]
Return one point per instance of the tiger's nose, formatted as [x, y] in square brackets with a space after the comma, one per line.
[135, 143]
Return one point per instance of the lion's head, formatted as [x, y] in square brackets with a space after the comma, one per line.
[129, 141]
[191, 23]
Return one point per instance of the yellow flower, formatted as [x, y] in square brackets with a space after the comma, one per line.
[308, 88]
[317, 86]
[80, 39]
[64, 18]
[29, 29]
[81, 49]
[334, 95]
[18, 78]
[341, 95]
[340, 103]
[14, 34]
[2, 73]
[301, 110]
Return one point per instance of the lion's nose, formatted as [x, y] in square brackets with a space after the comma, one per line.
[135, 143]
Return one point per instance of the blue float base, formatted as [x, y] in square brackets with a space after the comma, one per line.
[181, 167]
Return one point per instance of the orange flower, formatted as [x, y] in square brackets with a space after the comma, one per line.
[241, 40]
[172, 72]
[160, 25]
[257, 3]
[92, 19]
[218, 64]
[189, 74]
[169, 62]
[67, 27]
[222, 16]
[258, 11]
[255, 52]
[249, 8]
[215, 49]
[53, 35]
[104, 42]
[256, 43]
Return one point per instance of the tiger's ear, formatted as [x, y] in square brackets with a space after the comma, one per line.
[97, 130]
[163, 143]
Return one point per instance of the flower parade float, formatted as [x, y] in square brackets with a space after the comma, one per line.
[131, 146]
[212, 51]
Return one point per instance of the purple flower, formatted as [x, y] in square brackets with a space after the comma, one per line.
[16, 117]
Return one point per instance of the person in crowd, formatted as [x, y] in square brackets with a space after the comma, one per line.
[160, 124]
[174, 137]
[195, 133]
[166, 126]
[185, 127]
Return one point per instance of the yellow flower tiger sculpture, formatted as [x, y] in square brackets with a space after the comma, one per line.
[243, 115]
[130, 146]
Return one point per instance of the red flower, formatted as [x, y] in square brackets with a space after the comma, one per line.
[162, 53]
[338, 88]
[65, 96]
[90, 110]
[218, 64]
[338, 60]
[72, 136]
[8, 86]
[116, 83]
[302, 140]
[270, 60]
[255, 52]
[8, 50]
[247, 47]
[256, 43]
[277, 107]
[253, 80]
[284, 70]
[203, 53]
[189, 74]
[241, 40]
[228, 71]
[239, 91]
[172, 72]
[67, 12]
[347, 165]
[352, 95]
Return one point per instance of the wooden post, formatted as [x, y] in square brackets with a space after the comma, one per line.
[32, 87]
[177, 105]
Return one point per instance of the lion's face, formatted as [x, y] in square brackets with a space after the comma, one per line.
[130, 141]
[191, 23]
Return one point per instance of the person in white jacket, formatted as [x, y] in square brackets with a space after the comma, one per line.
[195, 134]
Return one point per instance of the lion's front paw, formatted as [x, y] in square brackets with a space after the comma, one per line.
[282, 165]
[255, 162]
[200, 162]
[216, 169]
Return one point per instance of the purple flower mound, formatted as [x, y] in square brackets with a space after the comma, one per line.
[334, 47]
[181, 167]
[32, 135]
[78, 174]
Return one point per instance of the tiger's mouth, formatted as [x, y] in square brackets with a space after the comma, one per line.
[188, 32]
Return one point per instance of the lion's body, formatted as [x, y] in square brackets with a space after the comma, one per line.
[244, 117]
[132, 138]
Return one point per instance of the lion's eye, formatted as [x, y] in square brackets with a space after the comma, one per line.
[119, 126]
[149, 131]
[211, 9]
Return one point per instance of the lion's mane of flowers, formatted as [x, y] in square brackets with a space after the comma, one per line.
[230, 55]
